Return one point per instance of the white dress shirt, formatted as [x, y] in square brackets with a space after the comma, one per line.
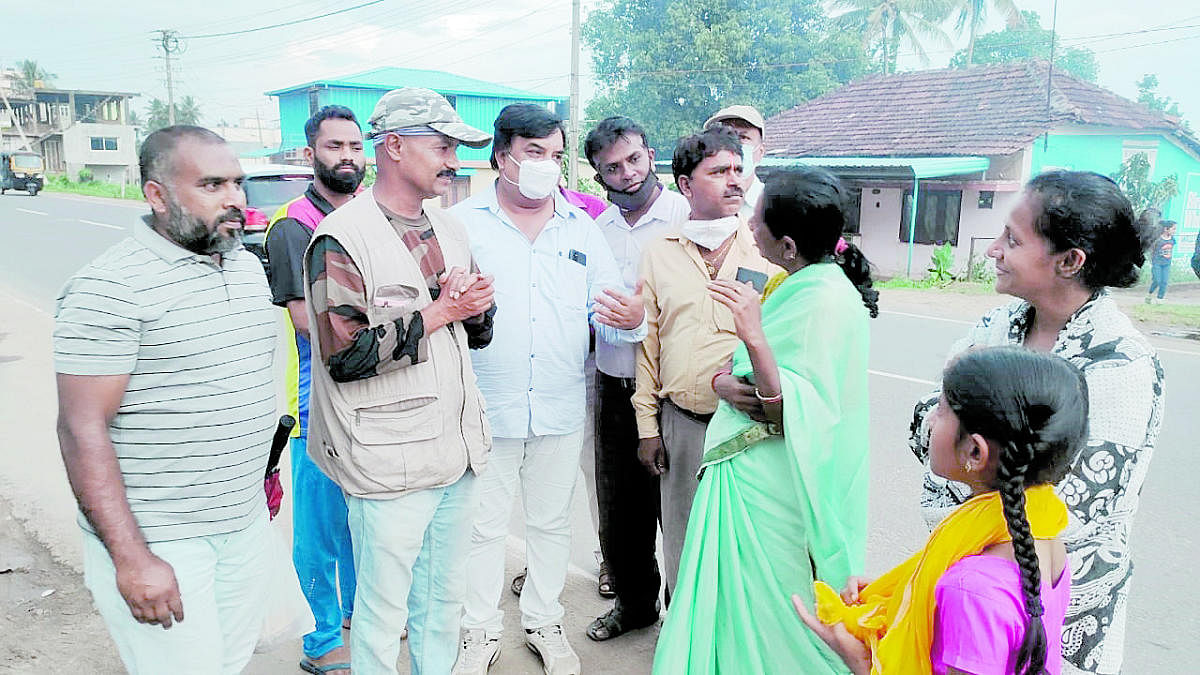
[662, 218]
[532, 373]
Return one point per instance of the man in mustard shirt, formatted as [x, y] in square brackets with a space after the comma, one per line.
[689, 335]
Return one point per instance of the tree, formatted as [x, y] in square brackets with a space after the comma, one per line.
[1029, 41]
[973, 13]
[885, 24]
[187, 111]
[1143, 193]
[1148, 96]
[33, 75]
[669, 64]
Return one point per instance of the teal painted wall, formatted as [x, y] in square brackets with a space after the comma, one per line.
[1103, 153]
[477, 111]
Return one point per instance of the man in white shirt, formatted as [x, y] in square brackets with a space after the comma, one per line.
[554, 275]
[748, 124]
[642, 211]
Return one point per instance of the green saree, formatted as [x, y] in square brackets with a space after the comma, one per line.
[769, 508]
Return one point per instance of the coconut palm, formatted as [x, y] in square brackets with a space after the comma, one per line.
[886, 23]
[972, 14]
[33, 75]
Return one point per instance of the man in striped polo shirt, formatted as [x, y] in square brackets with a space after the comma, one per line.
[163, 348]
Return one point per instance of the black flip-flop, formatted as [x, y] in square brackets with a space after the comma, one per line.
[310, 667]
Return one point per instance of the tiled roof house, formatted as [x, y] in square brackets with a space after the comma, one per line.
[966, 140]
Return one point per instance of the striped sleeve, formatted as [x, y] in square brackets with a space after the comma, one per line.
[97, 327]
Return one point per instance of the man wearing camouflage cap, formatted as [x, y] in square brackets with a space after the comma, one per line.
[748, 124]
[395, 301]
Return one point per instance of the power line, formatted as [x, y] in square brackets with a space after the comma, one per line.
[285, 23]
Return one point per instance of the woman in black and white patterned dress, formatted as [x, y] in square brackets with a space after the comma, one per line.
[1071, 236]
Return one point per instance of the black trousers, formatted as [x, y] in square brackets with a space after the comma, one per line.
[627, 496]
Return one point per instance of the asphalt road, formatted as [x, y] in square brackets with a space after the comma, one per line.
[49, 237]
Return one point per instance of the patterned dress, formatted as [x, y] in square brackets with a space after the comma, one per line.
[1125, 390]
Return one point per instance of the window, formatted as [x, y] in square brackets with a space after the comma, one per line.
[937, 216]
[460, 189]
[104, 143]
[452, 100]
[853, 210]
[314, 101]
[1147, 148]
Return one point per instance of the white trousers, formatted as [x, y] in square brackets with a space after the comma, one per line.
[222, 582]
[409, 562]
[546, 468]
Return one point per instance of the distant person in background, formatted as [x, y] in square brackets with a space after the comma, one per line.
[164, 349]
[748, 124]
[1160, 258]
[321, 549]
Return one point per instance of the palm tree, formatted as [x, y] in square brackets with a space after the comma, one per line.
[33, 75]
[885, 23]
[187, 111]
[973, 13]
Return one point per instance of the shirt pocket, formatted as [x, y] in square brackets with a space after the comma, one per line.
[570, 285]
[722, 317]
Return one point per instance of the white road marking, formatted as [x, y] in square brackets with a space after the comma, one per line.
[28, 304]
[36, 213]
[1176, 351]
[894, 376]
[92, 222]
[930, 318]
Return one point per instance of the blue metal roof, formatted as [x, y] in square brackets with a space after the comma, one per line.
[921, 167]
[388, 78]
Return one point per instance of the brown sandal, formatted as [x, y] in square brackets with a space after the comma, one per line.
[607, 585]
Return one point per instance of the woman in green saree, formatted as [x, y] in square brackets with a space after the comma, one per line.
[783, 486]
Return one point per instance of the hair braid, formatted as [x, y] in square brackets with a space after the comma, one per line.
[1014, 463]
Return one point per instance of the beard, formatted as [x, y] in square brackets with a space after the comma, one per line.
[337, 181]
[197, 236]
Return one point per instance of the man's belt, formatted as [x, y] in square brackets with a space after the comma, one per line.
[695, 416]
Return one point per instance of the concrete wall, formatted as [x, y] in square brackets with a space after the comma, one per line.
[108, 165]
[879, 225]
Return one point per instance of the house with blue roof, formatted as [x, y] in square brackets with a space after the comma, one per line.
[478, 102]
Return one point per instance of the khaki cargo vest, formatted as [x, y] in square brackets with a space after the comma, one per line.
[417, 427]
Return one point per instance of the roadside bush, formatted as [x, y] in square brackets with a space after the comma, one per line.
[941, 264]
[86, 175]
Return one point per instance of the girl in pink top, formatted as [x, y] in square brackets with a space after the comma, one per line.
[1008, 420]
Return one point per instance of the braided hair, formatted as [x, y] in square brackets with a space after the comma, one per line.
[808, 204]
[1032, 408]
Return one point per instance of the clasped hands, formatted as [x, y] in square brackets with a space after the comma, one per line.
[465, 294]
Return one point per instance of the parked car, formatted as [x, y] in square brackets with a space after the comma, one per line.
[268, 187]
[21, 171]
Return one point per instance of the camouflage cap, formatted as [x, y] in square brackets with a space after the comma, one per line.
[416, 107]
[738, 112]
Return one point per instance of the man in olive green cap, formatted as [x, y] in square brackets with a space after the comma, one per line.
[394, 302]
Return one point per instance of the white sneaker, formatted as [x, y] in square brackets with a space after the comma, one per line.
[551, 645]
[477, 653]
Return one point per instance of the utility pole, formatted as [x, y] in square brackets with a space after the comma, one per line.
[169, 41]
[573, 155]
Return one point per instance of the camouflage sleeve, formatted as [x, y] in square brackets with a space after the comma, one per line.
[354, 349]
[479, 327]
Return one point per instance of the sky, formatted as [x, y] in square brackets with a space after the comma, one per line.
[520, 43]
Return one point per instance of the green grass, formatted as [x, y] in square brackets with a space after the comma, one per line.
[60, 183]
[1175, 315]
[928, 284]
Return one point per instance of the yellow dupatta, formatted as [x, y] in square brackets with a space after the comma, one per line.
[895, 613]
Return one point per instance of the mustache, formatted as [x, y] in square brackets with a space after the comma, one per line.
[233, 215]
[447, 173]
[348, 165]
[735, 192]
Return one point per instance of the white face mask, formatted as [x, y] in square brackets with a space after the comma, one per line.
[536, 178]
[748, 164]
[710, 233]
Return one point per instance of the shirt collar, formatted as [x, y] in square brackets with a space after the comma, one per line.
[161, 246]
[563, 210]
[317, 200]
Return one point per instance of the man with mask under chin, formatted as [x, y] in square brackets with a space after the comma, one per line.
[690, 336]
[554, 275]
[748, 124]
[642, 211]
[321, 547]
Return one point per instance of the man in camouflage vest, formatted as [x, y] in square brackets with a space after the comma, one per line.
[394, 302]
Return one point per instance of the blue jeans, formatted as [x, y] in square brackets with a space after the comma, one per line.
[321, 551]
[1159, 274]
[410, 554]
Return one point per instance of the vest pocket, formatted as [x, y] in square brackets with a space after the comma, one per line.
[384, 435]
